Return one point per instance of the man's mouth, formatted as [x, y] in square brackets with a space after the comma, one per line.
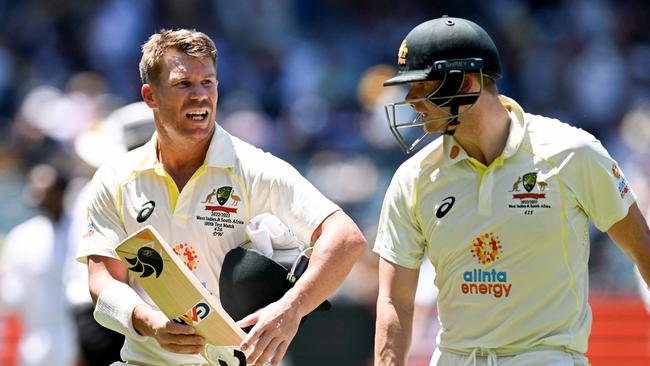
[198, 115]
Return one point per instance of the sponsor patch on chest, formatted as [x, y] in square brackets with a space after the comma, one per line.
[487, 249]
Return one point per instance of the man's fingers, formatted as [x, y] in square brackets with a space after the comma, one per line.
[255, 349]
[183, 340]
[274, 327]
[177, 328]
[279, 353]
[181, 343]
[268, 351]
[248, 340]
[249, 320]
[183, 349]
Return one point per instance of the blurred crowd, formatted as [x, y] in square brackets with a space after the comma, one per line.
[302, 79]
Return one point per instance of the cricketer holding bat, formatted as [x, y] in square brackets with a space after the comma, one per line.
[198, 186]
[501, 201]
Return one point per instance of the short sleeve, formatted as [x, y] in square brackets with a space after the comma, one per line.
[104, 228]
[399, 237]
[281, 190]
[599, 185]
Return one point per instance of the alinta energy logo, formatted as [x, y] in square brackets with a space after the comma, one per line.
[487, 250]
[146, 262]
[187, 253]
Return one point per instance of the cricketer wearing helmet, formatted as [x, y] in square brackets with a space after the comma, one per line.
[428, 54]
[501, 202]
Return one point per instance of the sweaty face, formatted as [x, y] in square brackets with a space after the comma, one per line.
[186, 97]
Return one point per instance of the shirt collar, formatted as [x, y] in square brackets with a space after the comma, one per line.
[454, 153]
[221, 152]
[517, 126]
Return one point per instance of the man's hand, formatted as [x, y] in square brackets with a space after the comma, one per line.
[275, 327]
[338, 243]
[172, 336]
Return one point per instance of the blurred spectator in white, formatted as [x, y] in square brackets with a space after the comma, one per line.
[124, 129]
[50, 119]
[31, 277]
[63, 114]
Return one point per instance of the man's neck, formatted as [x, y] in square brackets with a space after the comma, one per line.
[485, 132]
[181, 160]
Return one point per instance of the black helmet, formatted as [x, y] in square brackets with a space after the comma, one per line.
[433, 46]
[249, 281]
[440, 49]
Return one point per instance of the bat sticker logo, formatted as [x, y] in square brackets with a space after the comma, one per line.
[239, 355]
[195, 315]
[146, 262]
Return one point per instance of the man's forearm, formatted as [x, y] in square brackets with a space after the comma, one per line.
[392, 334]
[335, 252]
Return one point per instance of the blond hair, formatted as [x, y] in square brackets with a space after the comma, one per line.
[188, 41]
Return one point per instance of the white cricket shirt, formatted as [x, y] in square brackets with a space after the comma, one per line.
[202, 222]
[31, 284]
[509, 241]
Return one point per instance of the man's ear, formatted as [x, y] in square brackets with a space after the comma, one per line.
[471, 83]
[147, 95]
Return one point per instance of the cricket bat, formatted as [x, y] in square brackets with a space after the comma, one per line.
[175, 290]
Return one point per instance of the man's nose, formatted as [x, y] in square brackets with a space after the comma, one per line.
[199, 92]
[411, 94]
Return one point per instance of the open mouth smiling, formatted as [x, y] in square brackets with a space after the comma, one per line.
[197, 115]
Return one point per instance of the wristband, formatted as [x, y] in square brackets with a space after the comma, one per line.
[114, 309]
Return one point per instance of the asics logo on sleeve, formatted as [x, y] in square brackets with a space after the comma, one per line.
[445, 206]
[145, 211]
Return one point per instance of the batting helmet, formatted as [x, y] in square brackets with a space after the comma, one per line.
[442, 49]
[249, 281]
[436, 46]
